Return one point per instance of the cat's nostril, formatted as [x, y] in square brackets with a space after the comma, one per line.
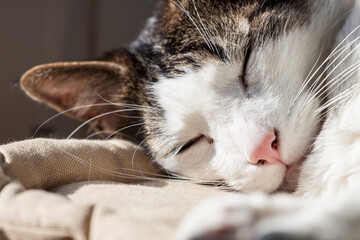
[275, 143]
[267, 150]
[261, 162]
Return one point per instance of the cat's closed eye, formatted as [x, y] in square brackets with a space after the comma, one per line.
[194, 141]
[243, 76]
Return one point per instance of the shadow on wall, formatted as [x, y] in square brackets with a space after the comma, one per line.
[41, 31]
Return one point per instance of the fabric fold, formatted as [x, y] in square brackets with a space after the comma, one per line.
[142, 204]
[36, 214]
[48, 163]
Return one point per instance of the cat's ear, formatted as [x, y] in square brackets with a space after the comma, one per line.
[86, 90]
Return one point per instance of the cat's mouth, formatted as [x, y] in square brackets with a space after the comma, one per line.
[291, 176]
[290, 169]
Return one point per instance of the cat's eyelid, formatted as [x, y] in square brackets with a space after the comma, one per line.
[247, 54]
[243, 82]
[189, 144]
[192, 142]
[242, 77]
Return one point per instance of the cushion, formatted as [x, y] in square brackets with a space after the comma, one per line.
[90, 189]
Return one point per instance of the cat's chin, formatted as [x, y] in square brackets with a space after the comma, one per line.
[265, 179]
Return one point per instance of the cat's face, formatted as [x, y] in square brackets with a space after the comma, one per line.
[222, 86]
[218, 114]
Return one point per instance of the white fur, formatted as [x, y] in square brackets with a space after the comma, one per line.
[211, 101]
[336, 158]
[327, 202]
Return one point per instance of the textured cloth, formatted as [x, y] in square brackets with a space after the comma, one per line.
[46, 163]
[141, 205]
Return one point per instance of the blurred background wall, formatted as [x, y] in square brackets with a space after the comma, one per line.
[41, 31]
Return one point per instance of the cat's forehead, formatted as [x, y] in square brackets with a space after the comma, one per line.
[190, 33]
[195, 20]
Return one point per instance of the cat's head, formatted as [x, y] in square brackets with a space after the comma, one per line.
[213, 89]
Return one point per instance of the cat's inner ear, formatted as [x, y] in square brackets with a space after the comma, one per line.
[93, 90]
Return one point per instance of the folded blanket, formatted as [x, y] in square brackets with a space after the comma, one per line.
[142, 205]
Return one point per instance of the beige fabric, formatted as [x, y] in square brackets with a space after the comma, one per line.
[91, 210]
[39, 215]
[46, 163]
[150, 210]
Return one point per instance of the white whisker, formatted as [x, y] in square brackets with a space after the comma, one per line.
[69, 110]
[206, 31]
[337, 49]
[124, 128]
[95, 134]
[319, 90]
[179, 4]
[94, 118]
[136, 106]
[341, 78]
[343, 95]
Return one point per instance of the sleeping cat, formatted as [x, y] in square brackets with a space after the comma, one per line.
[235, 91]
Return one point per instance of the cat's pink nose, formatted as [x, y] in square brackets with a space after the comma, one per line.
[267, 151]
